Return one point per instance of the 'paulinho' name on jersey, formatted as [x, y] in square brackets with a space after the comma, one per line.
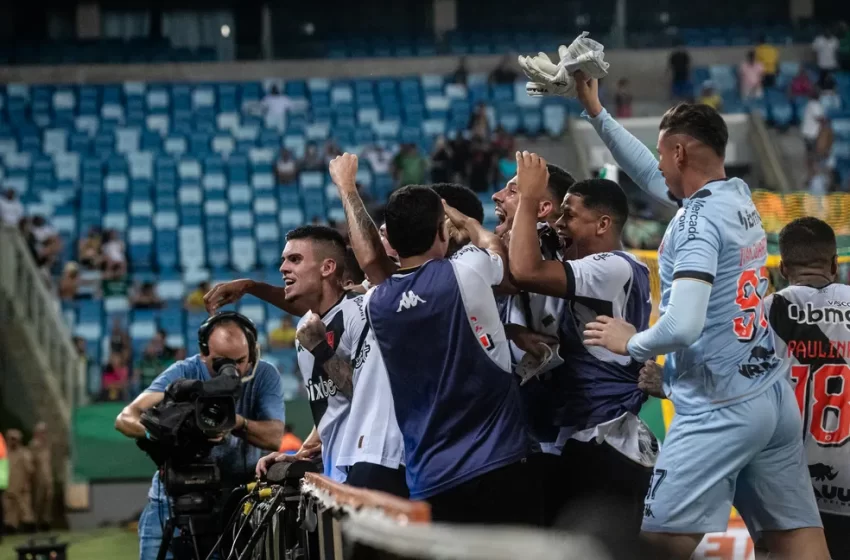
[344, 323]
[717, 238]
[811, 329]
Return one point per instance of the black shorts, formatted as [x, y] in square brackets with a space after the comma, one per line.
[506, 496]
[378, 477]
[836, 529]
[593, 482]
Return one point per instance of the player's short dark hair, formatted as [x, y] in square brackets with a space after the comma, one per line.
[806, 242]
[560, 182]
[604, 196]
[698, 121]
[413, 216]
[353, 272]
[325, 235]
[461, 198]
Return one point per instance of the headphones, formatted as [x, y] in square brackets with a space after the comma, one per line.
[247, 326]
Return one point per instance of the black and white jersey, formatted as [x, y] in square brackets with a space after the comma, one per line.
[363, 429]
[371, 433]
[344, 324]
[811, 330]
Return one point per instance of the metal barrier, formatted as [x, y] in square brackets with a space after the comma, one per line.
[36, 312]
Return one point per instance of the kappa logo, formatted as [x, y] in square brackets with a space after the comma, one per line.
[408, 300]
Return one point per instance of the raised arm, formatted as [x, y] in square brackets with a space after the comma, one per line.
[230, 292]
[466, 228]
[362, 232]
[629, 152]
[529, 271]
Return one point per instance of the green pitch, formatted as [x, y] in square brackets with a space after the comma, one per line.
[100, 544]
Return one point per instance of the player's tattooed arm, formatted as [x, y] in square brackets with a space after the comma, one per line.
[362, 231]
[312, 336]
[342, 374]
[529, 271]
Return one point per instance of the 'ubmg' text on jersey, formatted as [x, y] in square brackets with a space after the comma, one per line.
[811, 329]
[456, 400]
[330, 408]
[717, 238]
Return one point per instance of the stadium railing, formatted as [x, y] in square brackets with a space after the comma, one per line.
[365, 524]
[34, 310]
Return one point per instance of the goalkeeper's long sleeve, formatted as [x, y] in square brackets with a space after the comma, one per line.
[679, 327]
[631, 155]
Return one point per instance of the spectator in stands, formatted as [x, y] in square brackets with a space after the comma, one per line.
[482, 166]
[441, 162]
[679, 68]
[284, 335]
[42, 481]
[147, 368]
[115, 380]
[829, 97]
[506, 165]
[801, 84]
[286, 168]
[47, 239]
[503, 142]
[768, 56]
[115, 256]
[479, 124]
[814, 118]
[503, 73]
[145, 297]
[826, 46]
[195, 299]
[312, 159]
[709, 96]
[11, 209]
[17, 499]
[750, 76]
[409, 167]
[460, 75]
[380, 159]
[69, 282]
[331, 150]
[844, 45]
[460, 148]
[623, 99]
[89, 249]
[119, 338]
[276, 105]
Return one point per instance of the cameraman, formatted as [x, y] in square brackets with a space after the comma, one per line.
[230, 338]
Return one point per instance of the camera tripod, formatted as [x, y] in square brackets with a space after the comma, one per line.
[195, 519]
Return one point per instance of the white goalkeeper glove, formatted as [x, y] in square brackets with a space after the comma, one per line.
[548, 78]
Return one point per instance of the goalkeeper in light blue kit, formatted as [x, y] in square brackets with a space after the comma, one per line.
[736, 436]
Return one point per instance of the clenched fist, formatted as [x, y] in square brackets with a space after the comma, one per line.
[344, 172]
[532, 175]
[312, 332]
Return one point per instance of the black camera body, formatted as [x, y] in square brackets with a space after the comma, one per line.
[191, 413]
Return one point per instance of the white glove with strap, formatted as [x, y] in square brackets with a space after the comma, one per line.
[548, 78]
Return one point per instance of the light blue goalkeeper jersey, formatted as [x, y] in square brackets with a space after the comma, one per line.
[717, 238]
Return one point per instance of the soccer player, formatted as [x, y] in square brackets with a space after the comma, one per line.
[605, 447]
[330, 345]
[437, 327]
[735, 437]
[811, 330]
